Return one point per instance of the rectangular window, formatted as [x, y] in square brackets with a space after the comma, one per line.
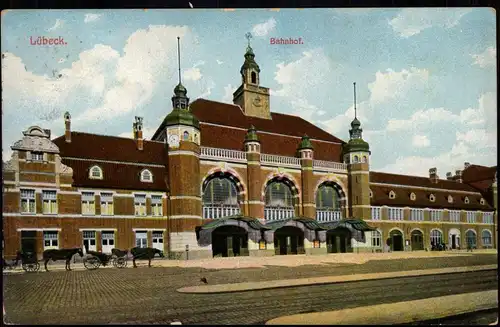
[416, 214]
[156, 205]
[50, 240]
[37, 156]
[107, 204]
[471, 217]
[28, 201]
[140, 204]
[49, 201]
[375, 213]
[487, 217]
[436, 215]
[88, 203]
[141, 239]
[454, 216]
[376, 239]
[395, 213]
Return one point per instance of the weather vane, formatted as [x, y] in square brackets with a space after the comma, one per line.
[248, 36]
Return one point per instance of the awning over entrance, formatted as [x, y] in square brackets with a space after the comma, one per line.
[309, 226]
[356, 226]
[253, 226]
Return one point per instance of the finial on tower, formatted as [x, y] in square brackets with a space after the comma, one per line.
[248, 37]
[355, 113]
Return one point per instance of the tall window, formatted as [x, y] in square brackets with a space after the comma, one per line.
[107, 204]
[279, 201]
[88, 203]
[436, 215]
[254, 78]
[395, 213]
[436, 237]
[220, 197]
[486, 236]
[140, 204]
[416, 214]
[141, 239]
[376, 213]
[454, 216]
[158, 240]
[376, 238]
[156, 205]
[185, 136]
[28, 201]
[49, 201]
[470, 238]
[471, 217]
[50, 240]
[327, 198]
[488, 217]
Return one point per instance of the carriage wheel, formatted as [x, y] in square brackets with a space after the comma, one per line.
[91, 263]
[31, 267]
[120, 263]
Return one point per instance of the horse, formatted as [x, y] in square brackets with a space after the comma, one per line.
[61, 254]
[145, 253]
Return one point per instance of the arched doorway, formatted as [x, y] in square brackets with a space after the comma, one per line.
[229, 241]
[338, 240]
[454, 238]
[395, 240]
[417, 240]
[289, 240]
[436, 239]
[470, 239]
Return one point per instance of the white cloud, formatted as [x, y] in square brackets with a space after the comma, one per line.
[412, 21]
[487, 58]
[264, 28]
[147, 133]
[192, 74]
[478, 138]
[228, 94]
[59, 23]
[219, 62]
[420, 141]
[91, 18]
[207, 87]
[390, 84]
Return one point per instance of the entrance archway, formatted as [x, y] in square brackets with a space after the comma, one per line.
[417, 240]
[338, 240]
[289, 240]
[454, 238]
[229, 241]
[396, 240]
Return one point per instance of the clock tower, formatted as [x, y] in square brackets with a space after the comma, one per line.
[250, 96]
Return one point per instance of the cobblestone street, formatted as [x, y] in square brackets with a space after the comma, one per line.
[148, 295]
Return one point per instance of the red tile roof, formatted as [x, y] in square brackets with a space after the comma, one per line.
[476, 173]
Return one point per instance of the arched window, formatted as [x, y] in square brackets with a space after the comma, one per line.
[185, 136]
[470, 238]
[486, 236]
[279, 200]
[327, 198]
[220, 197]
[254, 78]
[146, 176]
[413, 196]
[436, 237]
[95, 172]
[392, 195]
[450, 199]
[356, 159]
[482, 201]
[466, 200]
[432, 198]
[365, 159]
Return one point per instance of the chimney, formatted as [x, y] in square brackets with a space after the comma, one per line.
[67, 121]
[449, 176]
[458, 176]
[466, 165]
[138, 133]
[433, 175]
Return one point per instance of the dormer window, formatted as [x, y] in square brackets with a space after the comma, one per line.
[450, 199]
[482, 201]
[392, 195]
[432, 198]
[95, 172]
[146, 176]
[37, 156]
[466, 200]
[413, 197]
[371, 194]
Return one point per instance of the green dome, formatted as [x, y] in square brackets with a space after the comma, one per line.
[182, 117]
[305, 143]
[180, 89]
[356, 145]
[251, 135]
[355, 123]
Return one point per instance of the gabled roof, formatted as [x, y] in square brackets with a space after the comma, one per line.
[476, 173]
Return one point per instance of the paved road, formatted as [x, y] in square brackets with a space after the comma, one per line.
[484, 317]
[147, 295]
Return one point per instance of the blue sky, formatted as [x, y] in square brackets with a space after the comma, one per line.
[426, 78]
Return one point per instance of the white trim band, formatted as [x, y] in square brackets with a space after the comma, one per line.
[55, 229]
[116, 162]
[424, 188]
[185, 197]
[185, 217]
[183, 153]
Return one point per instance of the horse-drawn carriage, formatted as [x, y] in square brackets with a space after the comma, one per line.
[94, 259]
[29, 261]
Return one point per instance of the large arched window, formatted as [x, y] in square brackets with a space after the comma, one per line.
[486, 236]
[279, 200]
[470, 238]
[328, 203]
[436, 237]
[220, 197]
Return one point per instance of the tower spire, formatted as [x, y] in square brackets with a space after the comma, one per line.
[180, 99]
[355, 100]
[179, 56]
[248, 37]
[356, 131]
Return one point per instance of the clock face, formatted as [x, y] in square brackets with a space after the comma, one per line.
[173, 140]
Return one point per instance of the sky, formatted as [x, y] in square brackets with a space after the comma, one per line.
[425, 78]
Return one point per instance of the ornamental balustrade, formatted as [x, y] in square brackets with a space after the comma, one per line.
[214, 212]
[324, 216]
[271, 213]
[283, 161]
[329, 165]
[224, 154]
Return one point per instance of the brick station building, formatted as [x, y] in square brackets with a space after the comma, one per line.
[222, 179]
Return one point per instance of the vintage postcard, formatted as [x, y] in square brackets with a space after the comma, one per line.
[240, 166]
